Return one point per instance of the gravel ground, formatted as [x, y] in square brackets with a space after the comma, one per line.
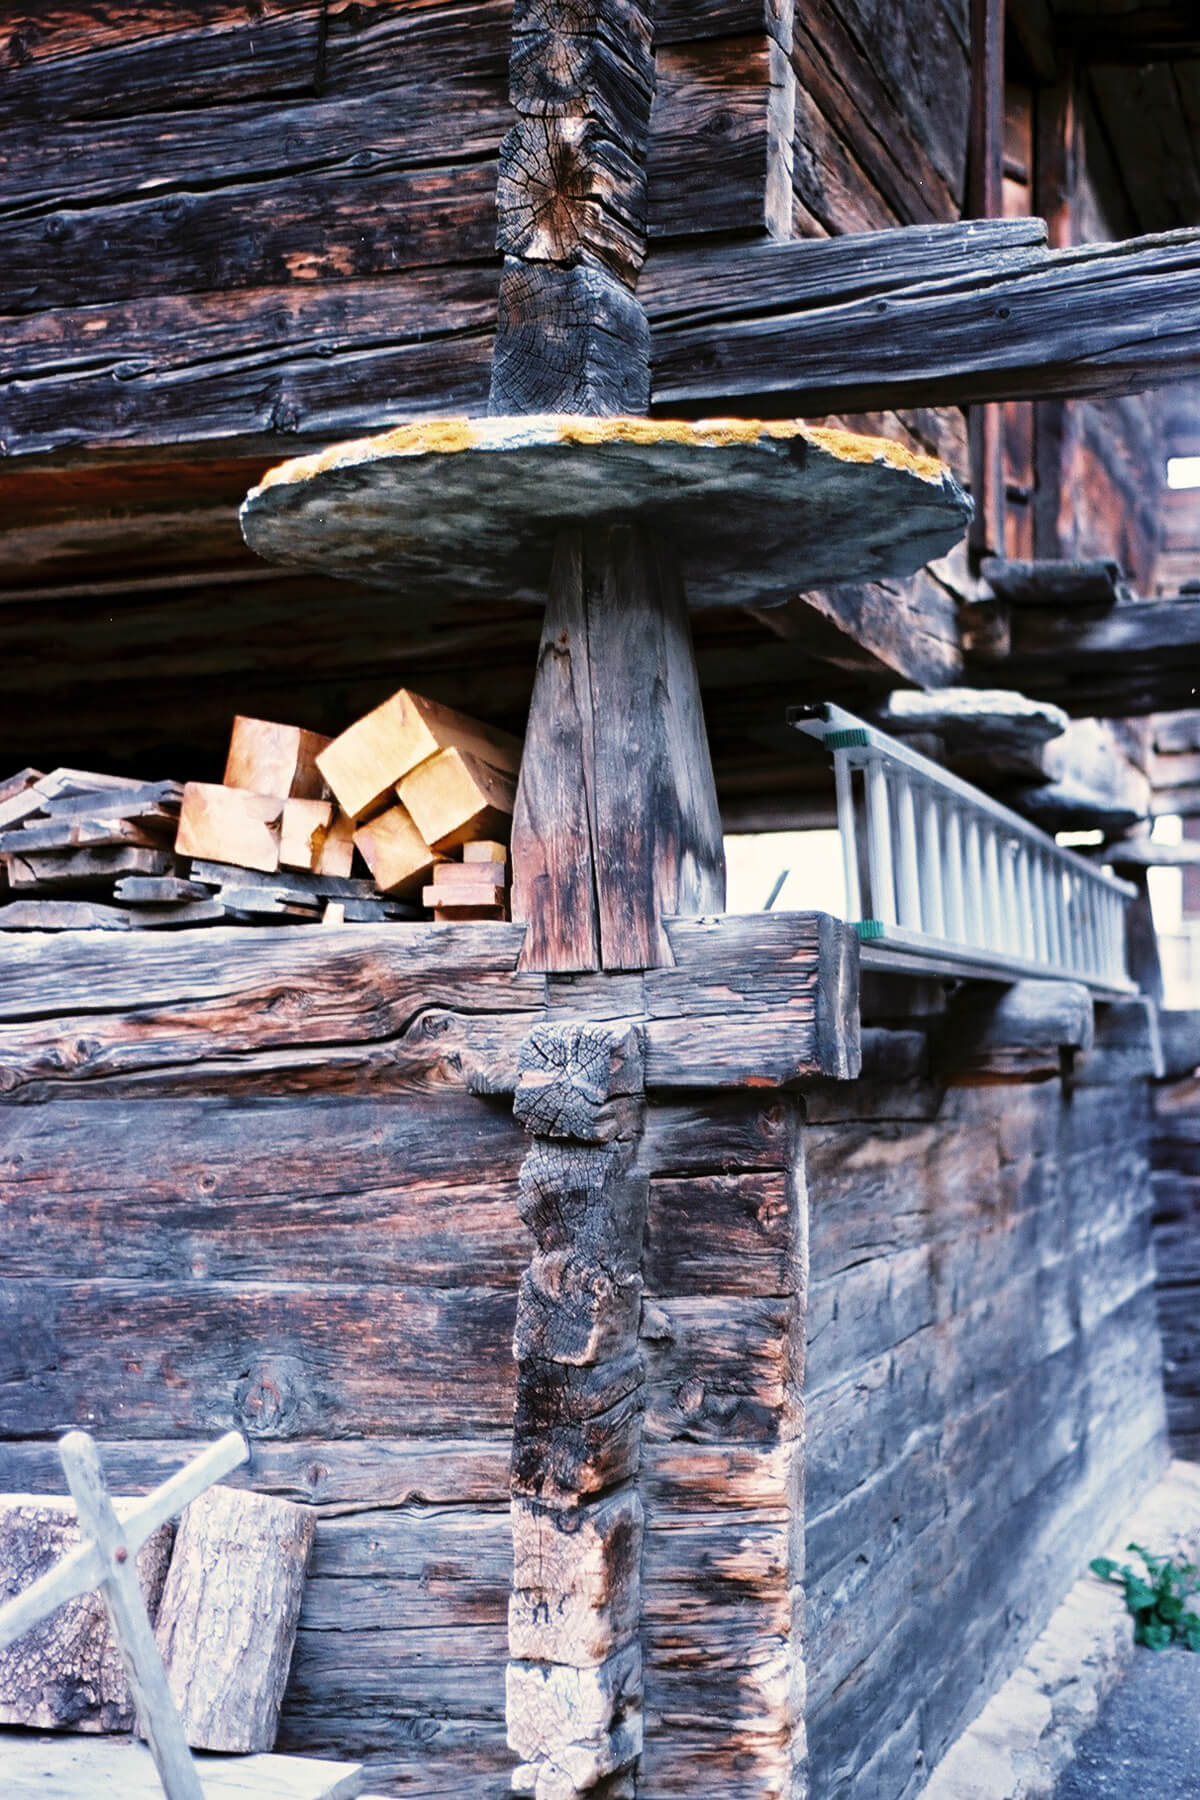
[1146, 1743]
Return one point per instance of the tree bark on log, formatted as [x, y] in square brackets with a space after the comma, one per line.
[66, 1672]
[227, 1622]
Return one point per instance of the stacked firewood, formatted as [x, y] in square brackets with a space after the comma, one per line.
[408, 809]
[80, 850]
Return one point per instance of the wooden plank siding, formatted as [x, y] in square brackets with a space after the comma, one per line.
[984, 1393]
[284, 220]
[262, 1178]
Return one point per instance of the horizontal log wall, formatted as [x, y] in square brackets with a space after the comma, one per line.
[269, 1180]
[1176, 1152]
[983, 1396]
[881, 114]
[283, 219]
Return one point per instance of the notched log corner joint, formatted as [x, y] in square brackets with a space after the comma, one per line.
[574, 1691]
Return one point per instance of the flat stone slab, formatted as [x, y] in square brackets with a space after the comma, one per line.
[71, 1768]
[757, 511]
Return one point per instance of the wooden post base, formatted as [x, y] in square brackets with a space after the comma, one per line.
[616, 820]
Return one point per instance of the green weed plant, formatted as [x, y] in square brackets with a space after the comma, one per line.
[1158, 1598]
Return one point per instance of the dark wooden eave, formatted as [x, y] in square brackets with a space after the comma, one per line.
[1100, 320]
[1127, 661]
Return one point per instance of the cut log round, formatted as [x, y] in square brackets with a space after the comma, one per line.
[227, 1622]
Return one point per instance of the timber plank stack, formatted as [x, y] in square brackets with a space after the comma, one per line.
[409, 808]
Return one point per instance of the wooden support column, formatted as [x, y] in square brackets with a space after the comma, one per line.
[574, 1625]
[571, 205]
[616, 820]
[985, 200]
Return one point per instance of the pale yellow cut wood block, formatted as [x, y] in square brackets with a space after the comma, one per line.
[483, 850]
[305, 823]
[395, 852]
[482, 893]
[366, 761]
[229, 825]
[454, 797]
[472, 874]
[317, 837]
[274, 759]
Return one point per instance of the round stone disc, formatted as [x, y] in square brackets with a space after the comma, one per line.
[468, 508]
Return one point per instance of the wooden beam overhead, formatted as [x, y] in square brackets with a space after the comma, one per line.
[1100, 319]
[1135, 659]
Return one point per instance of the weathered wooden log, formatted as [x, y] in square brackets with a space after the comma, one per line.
[67, 1671]
[576, 1431]
[1122, 663]
[1021, 1030]
[576, 1595]
[1179, 1033]
[570, 340]
[1095, 319]
[616, 820]
[1097, 582]
[569, 1076]
[572, 1727]
[571, 211]
[574, 1674]
[227, 1622]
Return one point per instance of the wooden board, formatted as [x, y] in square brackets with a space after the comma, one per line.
[66, 1768]
[998, 337]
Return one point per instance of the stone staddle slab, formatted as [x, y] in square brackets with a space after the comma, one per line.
[468, 508]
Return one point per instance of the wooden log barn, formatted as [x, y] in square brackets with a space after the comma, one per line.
[712, 1343]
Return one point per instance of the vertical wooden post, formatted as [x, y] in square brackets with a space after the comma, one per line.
[571, 206]
[985, 200]
[1054, 188]
[616, 820]
[574, 1691]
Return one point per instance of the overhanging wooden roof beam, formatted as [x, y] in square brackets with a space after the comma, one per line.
[1135, 659]
[1099, 319]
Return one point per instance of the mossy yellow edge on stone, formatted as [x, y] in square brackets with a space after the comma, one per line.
[447, 436]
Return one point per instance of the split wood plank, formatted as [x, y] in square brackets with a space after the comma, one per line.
[316, 837]
[452, 797]
[484, 850]
[66, 1671]
[16, 784]
[35, 1767]
[226, 824]
[90, 915]
[395, 851]
[86, 833]
[227, 1622]
[84, 868]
